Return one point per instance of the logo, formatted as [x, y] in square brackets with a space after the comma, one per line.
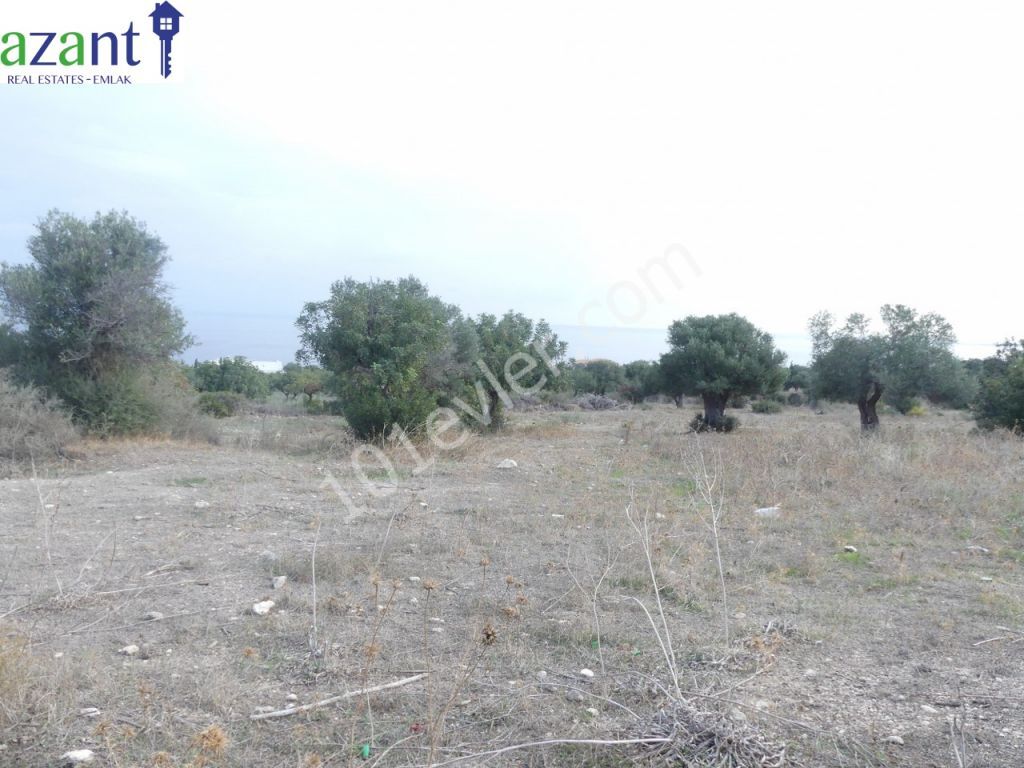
[79, 58]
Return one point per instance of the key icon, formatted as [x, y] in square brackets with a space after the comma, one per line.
[166, 21]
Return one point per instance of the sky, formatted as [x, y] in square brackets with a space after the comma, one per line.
[610, 167]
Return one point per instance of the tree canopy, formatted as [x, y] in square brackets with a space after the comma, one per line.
[90, 314]
[717, 357]
[379, 338]
[911, 359]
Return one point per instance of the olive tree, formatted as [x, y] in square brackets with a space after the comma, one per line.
[717, 357]
[90, 317]
[912, 358]
[380, 339]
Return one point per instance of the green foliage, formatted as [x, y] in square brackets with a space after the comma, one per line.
[382, 340]
[912, 358]
[297, 379]
[795, 399]
[512, 350]
[230, 374]
[90, 315]
[597, 377]
[220, 405]
[739, 401]
[1000, 401]
[641, 379]
[797, 377]
[766, 406]
[723, 355]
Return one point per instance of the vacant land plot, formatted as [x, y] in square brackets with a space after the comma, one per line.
[876, 617]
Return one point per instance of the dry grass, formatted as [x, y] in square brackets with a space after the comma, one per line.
[830, 653]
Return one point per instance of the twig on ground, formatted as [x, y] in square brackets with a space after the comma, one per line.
[334, 699]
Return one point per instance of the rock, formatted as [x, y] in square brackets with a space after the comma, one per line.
[986, 578]
[737, 716]
[542, 676]
[280, 581]
[894, 739]
[89, 712]
[153, 616]
[768, 512]
[78, 757]
[587, 673]
[573, 695]
[414, 578]
[129, 650]
[592, 711]
[980, 550]
[810, 673]
[201, 504]
[850, 548]
[291, 697]
[507, 464]
[929, 709]
[262, 608]
[762, 704]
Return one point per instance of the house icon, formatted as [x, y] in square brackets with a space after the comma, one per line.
[166, 21]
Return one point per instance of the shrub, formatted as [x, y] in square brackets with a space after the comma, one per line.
[30, 425]
[766, 406]
[220, 405]
[729, 423]
[591, 402]
[739, 401]
[1001, 395]
[795, 399]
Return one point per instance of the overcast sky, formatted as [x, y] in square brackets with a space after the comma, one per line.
[542, 156]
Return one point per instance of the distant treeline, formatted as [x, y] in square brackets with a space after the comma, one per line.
[89, 322]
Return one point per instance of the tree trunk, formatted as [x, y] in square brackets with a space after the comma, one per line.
[867, 405]
[678, 400]
[495, 411]
[714, 411]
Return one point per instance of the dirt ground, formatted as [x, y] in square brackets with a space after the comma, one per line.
[876, 619]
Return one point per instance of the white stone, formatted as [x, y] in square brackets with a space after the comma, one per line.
[89, 712]
[153, 616]
[129, 650]
[263, 607]
[202, 504]
[850, 548]
[291, 697]
[929, 709]
[507, 464]
[768, 511]
[893, 740]
[587, 673]
[280, 581]
[78, 757]
[592, 712]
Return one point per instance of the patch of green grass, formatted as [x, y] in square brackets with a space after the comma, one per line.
[683, 487]
[1011, 554]
[189, 482]
[852, 558]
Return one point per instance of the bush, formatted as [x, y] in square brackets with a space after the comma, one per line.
[30, 425]
[729, 423]
[766, 406]
[739, 401]
[220, 405]
[591, 402]
[795, 399]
